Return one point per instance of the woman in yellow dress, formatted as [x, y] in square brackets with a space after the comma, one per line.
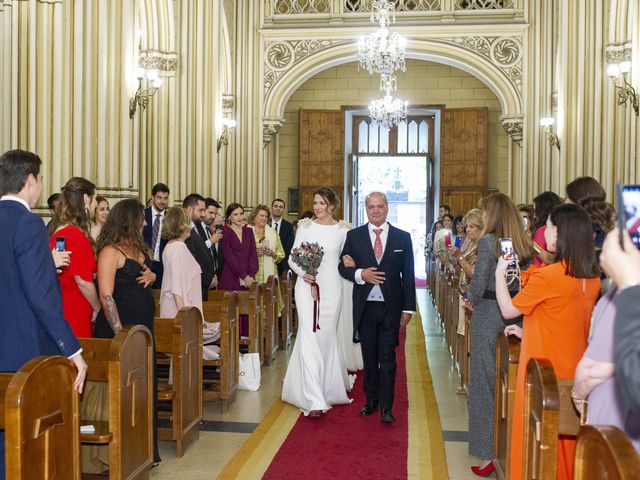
[269, 246]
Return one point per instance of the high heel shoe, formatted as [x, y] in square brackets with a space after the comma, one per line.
[484, 472]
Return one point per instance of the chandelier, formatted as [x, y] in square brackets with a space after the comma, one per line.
[381, 52]
[388, 111]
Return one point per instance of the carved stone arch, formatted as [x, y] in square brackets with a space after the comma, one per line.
[280, 85]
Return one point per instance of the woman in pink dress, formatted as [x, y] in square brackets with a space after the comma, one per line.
[181, 287]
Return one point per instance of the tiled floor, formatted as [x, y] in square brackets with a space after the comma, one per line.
[222, 434]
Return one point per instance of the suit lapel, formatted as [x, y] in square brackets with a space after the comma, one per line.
[368, 247]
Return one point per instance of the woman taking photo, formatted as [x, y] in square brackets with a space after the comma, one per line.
[100, 216]
[501, 220]
[268, 244]
[125, 278]
[556, 302]
[70, 225]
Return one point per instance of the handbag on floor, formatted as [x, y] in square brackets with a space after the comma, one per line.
[249, 371]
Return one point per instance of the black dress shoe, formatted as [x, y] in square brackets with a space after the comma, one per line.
[387, 416]
[368, 409]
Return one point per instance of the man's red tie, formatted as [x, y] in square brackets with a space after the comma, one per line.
[377, 246]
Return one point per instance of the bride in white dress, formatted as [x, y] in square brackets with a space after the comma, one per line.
[316, 376]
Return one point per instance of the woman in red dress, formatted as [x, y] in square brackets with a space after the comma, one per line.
[80, 302]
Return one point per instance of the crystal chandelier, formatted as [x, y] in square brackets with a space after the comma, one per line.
[388, 111]
[381, 52]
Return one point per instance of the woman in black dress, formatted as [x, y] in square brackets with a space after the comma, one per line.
[125, 279]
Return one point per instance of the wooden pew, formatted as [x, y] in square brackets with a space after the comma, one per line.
[39, 411]
[605, 452]
[286, 319]
[270, 319]
[549, 412]
[221, 375]
[250, 304]
[126, 363]
[181, 337]
[507, 357]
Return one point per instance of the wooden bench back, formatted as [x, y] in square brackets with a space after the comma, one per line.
[182, 338]
[548, 413]
[250, 304]
[39, 411]
[270, 317]
[126, 363]
[507, 356]
[286, 319]
[605, 452]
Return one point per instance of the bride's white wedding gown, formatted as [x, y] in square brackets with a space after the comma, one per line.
[316, 376]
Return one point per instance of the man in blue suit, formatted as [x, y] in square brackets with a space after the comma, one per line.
[384, 298]
[152, 232]
[31, 319]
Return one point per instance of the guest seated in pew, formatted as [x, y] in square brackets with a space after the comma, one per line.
[501, 219]
[72, 222]
[269, 247]
[556, 302]
[622, 264]
[181, 283]
[595, 378]
[124, 280]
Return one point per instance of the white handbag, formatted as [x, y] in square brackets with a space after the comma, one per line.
[249, 371]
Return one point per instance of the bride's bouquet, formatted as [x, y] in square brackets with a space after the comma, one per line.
[308, 256]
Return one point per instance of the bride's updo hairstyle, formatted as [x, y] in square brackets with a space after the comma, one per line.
[330, 197]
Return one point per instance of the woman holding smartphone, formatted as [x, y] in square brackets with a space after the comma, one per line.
[556, 302]
[501, 220]
[70, 226]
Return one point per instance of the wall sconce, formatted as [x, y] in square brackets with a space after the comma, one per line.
[552, 137]
[141, 98]
[227, 124]
[624, 91]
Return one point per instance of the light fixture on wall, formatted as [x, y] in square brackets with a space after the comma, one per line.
[624, 91]
[388, 111]
[223, 139]
[151, 82]
[552, 137]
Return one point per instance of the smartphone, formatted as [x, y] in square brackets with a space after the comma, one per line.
[525, 223]
[447, 239]
[219, 228]
[629, 212]
[458, 242]
[506, 247]
[61, 244]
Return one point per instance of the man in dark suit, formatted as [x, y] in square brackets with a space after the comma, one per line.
[31, 319]
[213, 235]
[196, 243]
[152, 233]
[284, 229]
[384, 298]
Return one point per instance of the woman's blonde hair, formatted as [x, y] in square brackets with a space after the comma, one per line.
[474, 217]
[502, 219]
[176, 223]
[256, 210]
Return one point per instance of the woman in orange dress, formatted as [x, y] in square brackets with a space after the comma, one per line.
[556, 303]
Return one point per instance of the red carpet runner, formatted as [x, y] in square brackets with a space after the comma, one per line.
[342, 444]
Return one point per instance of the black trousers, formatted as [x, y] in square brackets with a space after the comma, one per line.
[378, 338]
[156, 267]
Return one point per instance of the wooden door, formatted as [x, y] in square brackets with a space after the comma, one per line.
[320, 158]
[463, 162]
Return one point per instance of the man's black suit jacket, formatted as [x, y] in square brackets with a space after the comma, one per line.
[399, 287]
[201, 253]
[287, 238]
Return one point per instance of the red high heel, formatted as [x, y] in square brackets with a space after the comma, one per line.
[484, 472]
